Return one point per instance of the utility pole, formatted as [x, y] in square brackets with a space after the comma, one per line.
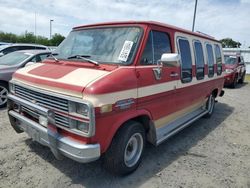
[50, 35]
[194, 15]
[35, 27]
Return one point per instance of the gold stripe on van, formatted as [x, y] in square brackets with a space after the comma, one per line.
[169, 118]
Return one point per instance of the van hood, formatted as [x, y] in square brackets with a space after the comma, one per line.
[228, 66]
[64, 79]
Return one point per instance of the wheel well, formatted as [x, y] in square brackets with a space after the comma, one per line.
[4, 83]
[144, 120]
[215, 92]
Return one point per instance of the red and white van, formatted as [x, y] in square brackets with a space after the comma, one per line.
[109, 88]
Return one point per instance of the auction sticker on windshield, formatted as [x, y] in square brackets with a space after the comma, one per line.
[127, 46]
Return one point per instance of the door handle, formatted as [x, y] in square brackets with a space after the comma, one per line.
[174, 74]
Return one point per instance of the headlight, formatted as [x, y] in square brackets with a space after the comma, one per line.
[229, 70]
[83, 126]
[82, 118]
[79, 108]
[80, 126]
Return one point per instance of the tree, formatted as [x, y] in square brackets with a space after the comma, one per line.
[230, 43]
[29, 37]
[56, 39]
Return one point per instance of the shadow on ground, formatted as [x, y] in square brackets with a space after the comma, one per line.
[238, 86]
[155, 158]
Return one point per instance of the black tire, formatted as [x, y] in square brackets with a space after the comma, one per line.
[241, 80]
[4, 90]
[119, 150]
[234, 84]
[210, 106]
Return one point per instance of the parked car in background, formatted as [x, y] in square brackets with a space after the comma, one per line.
[16, 47]
[13, 61]
[235, 69]
[4, 43]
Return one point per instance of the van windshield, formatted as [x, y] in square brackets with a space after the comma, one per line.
[230, 60]
[116, 45]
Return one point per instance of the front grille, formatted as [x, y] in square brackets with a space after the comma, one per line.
[47, 101]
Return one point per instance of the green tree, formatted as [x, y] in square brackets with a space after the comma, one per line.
[56, 39]
[29, 37]
[230, 43]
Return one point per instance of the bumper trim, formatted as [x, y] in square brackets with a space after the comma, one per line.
[77, 151]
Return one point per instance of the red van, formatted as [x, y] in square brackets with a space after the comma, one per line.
[110, 88]
[235, 69]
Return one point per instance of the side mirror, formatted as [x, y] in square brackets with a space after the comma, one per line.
[170, 59]
[29, 63]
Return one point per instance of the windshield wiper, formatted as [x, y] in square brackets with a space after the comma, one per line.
[84, 57]
[53, 56]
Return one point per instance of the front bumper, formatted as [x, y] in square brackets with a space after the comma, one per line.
[229, 79]
[59, 144]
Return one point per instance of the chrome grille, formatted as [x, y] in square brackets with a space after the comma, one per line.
[61, 120]
[47, 101]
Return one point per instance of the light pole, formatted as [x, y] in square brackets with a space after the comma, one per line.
[50, 24]
[194, 15]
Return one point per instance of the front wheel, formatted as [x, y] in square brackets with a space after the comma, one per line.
[210, 106]
[234, 84]
[241, 80]
[125, 152]
[3, 95]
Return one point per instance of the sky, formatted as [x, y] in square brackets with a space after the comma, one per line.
[218, 18]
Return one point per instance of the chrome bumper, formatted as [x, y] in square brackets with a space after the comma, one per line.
[59, 145]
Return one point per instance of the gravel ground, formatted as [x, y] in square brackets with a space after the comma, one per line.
[210, 153]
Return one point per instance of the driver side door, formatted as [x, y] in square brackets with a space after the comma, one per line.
[156, 92]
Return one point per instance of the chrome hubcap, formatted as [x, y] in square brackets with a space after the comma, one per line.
[133, 150]
[3, 95]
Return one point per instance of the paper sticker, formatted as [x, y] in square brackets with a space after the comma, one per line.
[127, 46]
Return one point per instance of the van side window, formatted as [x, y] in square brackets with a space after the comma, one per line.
[199, 60]
[157, 44]
[218, 59]
[186, 60]
[210, 60]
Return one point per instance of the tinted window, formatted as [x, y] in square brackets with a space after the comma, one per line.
[158, 43]
[199, 60]
[9, 50]
[39, 48]
[186, 60]
[218, 59]
[43, 56]
[210, 60]
[33, 59]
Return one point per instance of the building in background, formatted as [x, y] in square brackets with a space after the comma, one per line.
[245, 52]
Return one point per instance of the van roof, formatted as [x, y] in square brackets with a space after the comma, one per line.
[148, 23]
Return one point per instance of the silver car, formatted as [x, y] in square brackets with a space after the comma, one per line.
[8, 48]
[11, 62]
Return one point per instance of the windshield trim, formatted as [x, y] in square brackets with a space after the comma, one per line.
[113, 26]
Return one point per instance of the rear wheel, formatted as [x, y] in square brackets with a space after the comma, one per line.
[3, 94]
[125, 152]
[210, 106]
